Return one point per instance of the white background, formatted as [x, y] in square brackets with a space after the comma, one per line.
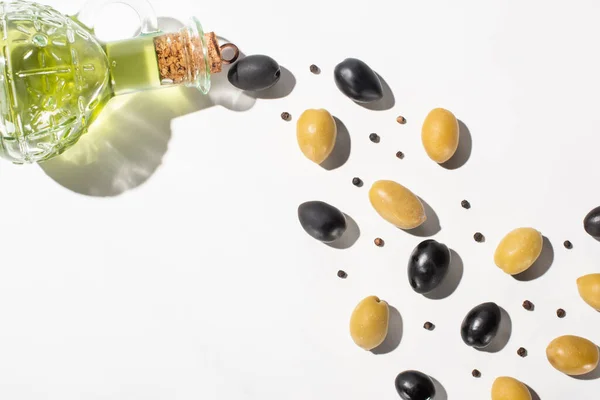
[162, 258]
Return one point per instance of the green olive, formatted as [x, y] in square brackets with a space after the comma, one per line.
[572, 355]
[369, 322]
[316, 133]
[507, 388]
[589, 289]
[518, 250]
[397, 205]
[440, 135]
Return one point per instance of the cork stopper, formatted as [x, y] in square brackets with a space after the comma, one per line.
[215, 58]
[189, 56]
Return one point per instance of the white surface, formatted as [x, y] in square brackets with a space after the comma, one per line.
[164, 260]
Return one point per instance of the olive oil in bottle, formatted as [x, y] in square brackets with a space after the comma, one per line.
[54, 81]
[133, 65]
[56, 77]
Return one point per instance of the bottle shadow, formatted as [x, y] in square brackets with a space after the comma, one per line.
[451, 281]
[394, 336]
[341, 149]
[126, 144]
[430, 227]
[541, 265]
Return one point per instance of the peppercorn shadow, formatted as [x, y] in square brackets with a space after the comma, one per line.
[451, 280]
[534, 395]
[350, 236]
[440, 391]
[540, 266]
[394, 335]
[463, 152]
[430, 227]
[590, 376]
[388, 100]
[341, 149]
[502, 337]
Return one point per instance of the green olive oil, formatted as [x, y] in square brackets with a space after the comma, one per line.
[55, 83]
[133, 65]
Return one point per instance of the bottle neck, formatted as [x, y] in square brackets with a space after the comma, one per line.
[187, 57]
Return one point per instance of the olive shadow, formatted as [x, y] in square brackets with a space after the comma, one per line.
[284, 86]
[590, 376]
[394, 335]
[451, 280]
[534, 395]
[440, 391]
[341, 150]
[430, 227]
[465, 146]
[350, 236]
[386, 102]
[502, 338]
[541, 265]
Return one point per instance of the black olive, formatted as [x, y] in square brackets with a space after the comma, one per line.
[414, 385]
[481, 325]
[428, 265]
[322, 221]
[591, 223]
[358, 81]
[256, 72]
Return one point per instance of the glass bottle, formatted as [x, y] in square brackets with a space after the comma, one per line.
[56, 77]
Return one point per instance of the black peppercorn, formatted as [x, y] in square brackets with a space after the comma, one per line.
[479, 238]
[476, 373]
[560, 313]
[465, 204]
[314, 69]
[357, 182]
[286, 116]
[528, 305]
[568, 245]
[342, 274]
[373, 137]
[522, 352]
[429, 326]
[400, 155]
[379, 242]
